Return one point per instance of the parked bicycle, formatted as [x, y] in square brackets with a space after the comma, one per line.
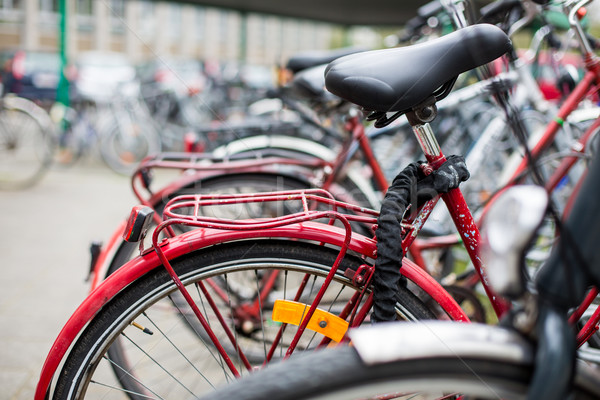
[131, 302]
[27, 143]
[305, 263]
[120, 132]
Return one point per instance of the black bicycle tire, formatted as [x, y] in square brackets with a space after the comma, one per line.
[98, 335]
[44, 138]
[339, 372]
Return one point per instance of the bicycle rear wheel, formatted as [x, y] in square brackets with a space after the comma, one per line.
[177, 360]
[27, 143]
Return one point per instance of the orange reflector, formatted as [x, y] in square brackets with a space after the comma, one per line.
[323, 322]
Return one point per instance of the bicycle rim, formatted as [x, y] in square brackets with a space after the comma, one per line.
[127, 143]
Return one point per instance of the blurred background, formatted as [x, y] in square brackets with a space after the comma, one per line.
[154, 41]
[144, 29]
[161, 68]
[180, 64]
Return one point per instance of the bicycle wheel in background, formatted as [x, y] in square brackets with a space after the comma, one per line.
[176, 360]
[27, 143]
[238, 183]
[126, 142]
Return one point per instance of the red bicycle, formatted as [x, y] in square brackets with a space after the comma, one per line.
[322, 286]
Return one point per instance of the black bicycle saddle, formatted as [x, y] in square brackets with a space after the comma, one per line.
[310, 82]
[401, 78]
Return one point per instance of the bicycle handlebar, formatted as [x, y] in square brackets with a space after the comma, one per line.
[498, 9]
[573, 7]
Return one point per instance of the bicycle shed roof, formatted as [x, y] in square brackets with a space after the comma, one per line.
[345, 12]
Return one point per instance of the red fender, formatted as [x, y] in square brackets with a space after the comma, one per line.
[200, 238]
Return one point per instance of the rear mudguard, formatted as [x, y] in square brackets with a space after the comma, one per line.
[201, 238]
[396, 341]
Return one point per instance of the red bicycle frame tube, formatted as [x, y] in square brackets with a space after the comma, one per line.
[355, 126]
[591, 78]
[591, 326]
[183, 244]
[460, 213]
[358, 132]
[568, 162]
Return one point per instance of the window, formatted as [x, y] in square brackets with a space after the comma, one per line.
[84, 15]
[147, 19]
[49, 10]
[10, 9]
[223, 26]
[200, 21]
[84, 7]
[175, 21]
[49, 6]
[117, 15]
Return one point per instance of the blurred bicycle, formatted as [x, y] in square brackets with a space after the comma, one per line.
[27, 143]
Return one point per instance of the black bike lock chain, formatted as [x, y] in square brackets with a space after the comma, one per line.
[410, 187]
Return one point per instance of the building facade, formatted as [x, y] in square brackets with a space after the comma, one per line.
[145, 29]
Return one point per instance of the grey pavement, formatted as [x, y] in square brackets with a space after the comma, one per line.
[45, 232]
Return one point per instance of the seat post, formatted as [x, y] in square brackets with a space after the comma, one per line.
[419, 118]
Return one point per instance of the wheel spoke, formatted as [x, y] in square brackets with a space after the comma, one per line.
[260, 308]
[123, 390]
[158, 364]
[218, 358]
[189, 362]
[120, 368]
[224, 325]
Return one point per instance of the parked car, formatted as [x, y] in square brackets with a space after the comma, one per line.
[31, 74]
[100, 76]
[182, 76]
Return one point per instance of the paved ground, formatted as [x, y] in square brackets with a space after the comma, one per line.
[45, 233]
